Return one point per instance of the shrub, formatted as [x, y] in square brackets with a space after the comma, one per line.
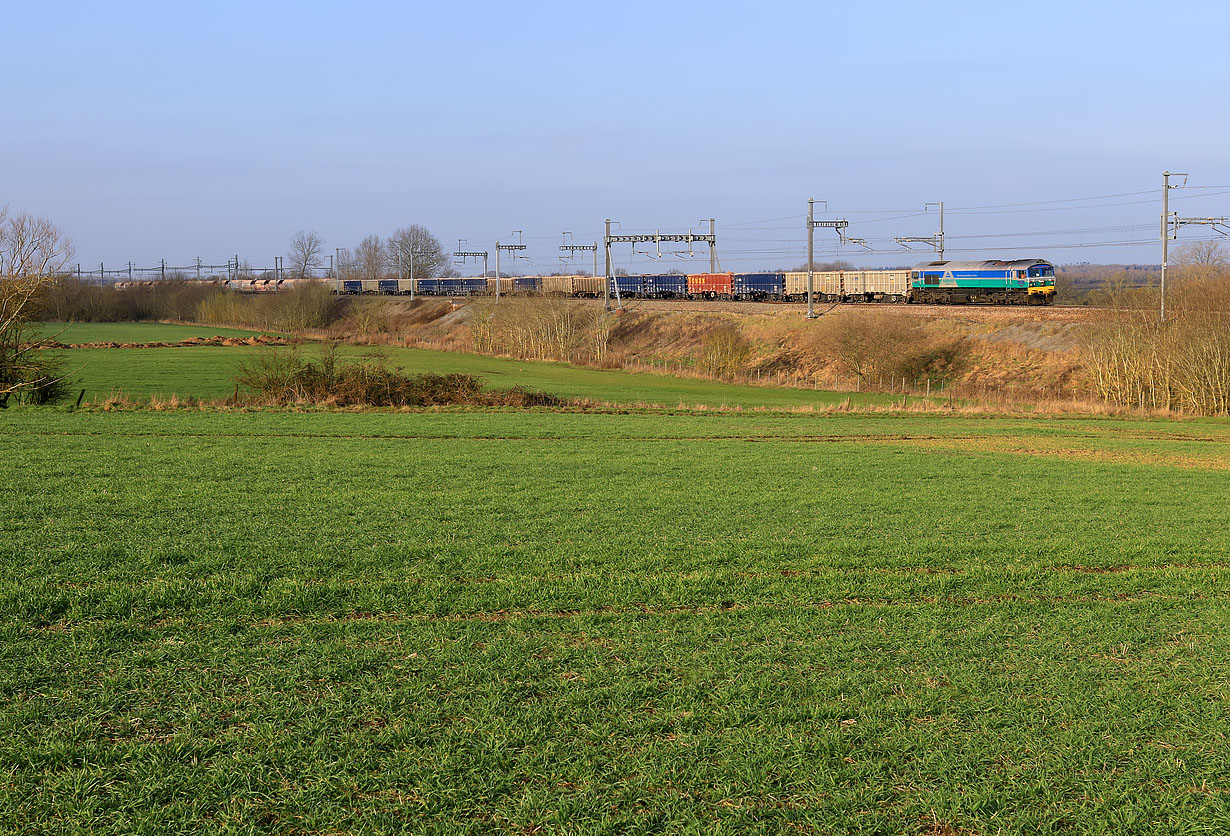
[305, 306]
[309, 305]
[27, 372]
[286, 377]
[877, 344]
[724, 351]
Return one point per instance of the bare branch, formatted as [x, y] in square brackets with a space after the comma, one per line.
[33, 251]
[305, 247]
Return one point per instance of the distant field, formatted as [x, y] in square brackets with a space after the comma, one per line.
[135, 332]
[209, 371]
[566, 623]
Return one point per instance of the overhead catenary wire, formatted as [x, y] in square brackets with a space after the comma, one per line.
[1044, 202]
[760, 239]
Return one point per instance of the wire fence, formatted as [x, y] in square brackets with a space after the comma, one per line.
[231, 269]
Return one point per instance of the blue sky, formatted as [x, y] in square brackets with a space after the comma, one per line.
[155, 130]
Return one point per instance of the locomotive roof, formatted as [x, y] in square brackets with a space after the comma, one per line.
[1016, 264]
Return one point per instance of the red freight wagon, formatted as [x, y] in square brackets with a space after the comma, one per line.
[710, 285]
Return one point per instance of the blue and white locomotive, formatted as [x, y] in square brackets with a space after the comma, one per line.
[1023, 281]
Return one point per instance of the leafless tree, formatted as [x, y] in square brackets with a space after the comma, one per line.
[370, 258]
[33, 251]
[414, 241]
[305, 247]
[346, 267]
[1202, 260]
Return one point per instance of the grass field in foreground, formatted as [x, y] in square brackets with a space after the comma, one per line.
[77, 333]
[524, 623]
[209, 371]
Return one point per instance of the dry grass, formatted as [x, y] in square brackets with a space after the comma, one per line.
[1133, 358]
[541, 329]
[306, 306]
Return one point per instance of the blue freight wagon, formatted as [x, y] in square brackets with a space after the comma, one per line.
[430, 287]
[756, 286]
[628, 286]
[527, 284]
[665, 286]
[355, 286]
[462, 287]
[388, 286]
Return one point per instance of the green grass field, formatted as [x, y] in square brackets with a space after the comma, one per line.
[209, 371]
[534, 622]
[567, 623]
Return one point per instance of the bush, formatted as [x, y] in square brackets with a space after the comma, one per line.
[304, 306]
[286, 377]
[28, 373]
[724, 351]
[878, 344]
[70, 300]
[310, 305]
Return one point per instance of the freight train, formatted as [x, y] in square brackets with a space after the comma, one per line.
[1025, 281]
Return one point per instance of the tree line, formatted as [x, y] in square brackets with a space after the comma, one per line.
[409, 250]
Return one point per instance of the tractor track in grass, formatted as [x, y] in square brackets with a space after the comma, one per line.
[513, 616]
[1063, 448]
[636, 611]
[442, 437]
[814, 437]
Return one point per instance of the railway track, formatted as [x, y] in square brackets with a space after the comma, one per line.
[976, 312]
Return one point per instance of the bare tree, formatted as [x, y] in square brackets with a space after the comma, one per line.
[346, 267]
[370, 258]
[305, 247]
[32, 252]
[414, 241]
[1202, 260]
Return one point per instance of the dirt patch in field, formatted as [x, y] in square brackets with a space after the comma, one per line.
[633, 610]
[259, 339]
[1212, 459]
[934, 827]
[1045, 336]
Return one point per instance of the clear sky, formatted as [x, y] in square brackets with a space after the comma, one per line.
[177, 130]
